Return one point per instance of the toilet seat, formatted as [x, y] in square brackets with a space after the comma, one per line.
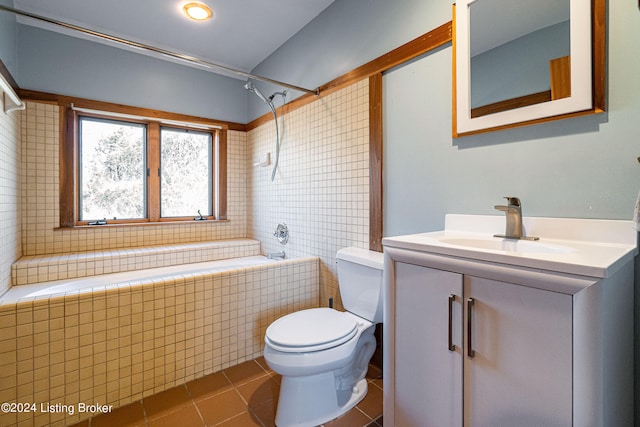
[311, 330]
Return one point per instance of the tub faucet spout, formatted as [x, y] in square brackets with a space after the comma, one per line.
[276, 255]
[513, 211]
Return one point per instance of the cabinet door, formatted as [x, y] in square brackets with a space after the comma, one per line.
[428, 375]
[521, 372]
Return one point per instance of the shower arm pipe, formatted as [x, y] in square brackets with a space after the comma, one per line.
[187, 58]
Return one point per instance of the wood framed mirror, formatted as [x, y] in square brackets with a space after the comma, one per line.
[519, 62]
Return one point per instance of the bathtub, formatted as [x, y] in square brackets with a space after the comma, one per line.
[116, 338]
[56, 288]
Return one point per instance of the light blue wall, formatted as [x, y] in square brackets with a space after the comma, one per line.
[57, 63]
[583, 167]
[8, 40]
[416, 142]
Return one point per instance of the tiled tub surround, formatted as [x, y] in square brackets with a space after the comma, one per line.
[116, 345]
[321, 188]
[43, 268]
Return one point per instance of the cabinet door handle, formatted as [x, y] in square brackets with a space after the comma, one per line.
[470, 352]
[450, 345]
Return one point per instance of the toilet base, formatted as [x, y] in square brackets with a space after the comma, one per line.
[312, 400]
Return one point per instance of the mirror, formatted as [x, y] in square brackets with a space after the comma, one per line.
[510, 58]
[519, 62]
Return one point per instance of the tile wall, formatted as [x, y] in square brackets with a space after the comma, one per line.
[69, 349]
[120, 344]
[321, 189]
[10, 219]
[40, 195]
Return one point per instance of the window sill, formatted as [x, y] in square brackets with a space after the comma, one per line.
[140, 224]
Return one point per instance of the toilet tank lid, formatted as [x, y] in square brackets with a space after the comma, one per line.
[362, 256]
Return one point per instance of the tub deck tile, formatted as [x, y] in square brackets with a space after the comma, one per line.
[42, 268]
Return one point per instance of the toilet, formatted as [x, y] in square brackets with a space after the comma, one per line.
[323, 354]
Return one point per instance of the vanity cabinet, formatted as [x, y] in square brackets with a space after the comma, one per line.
[485, 332]
[478, 352]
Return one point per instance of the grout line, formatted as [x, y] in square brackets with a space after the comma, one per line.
[255, 416]
[364, 413]
[235, 388]
[144, 413]
[171, 409]
[193, 402]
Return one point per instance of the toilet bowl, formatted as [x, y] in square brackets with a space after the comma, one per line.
[323, 354]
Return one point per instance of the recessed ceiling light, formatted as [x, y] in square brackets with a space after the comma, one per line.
[197, 11]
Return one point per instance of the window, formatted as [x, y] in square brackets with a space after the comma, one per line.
[185, 173]
[129, 169]
[113, 168]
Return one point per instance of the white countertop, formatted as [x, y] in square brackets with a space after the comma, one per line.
[587, 247]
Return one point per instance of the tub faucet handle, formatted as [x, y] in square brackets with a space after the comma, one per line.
[282, 233]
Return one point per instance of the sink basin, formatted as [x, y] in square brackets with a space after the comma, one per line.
[584, 247]
[509, 245]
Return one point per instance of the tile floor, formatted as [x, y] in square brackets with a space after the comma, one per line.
[244, 395]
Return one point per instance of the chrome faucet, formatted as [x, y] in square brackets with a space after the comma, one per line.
[513, 211]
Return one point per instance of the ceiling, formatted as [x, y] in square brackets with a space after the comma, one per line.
[241, 34]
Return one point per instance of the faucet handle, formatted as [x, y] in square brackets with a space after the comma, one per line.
[282, 233]
[513, 201]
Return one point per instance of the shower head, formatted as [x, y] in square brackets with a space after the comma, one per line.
[251, 88]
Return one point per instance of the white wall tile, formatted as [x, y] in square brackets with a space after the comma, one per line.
[321, 188]
[10, 218]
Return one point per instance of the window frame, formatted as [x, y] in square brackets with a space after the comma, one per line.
[154, 120]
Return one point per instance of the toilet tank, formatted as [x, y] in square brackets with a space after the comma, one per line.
[360, 281]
